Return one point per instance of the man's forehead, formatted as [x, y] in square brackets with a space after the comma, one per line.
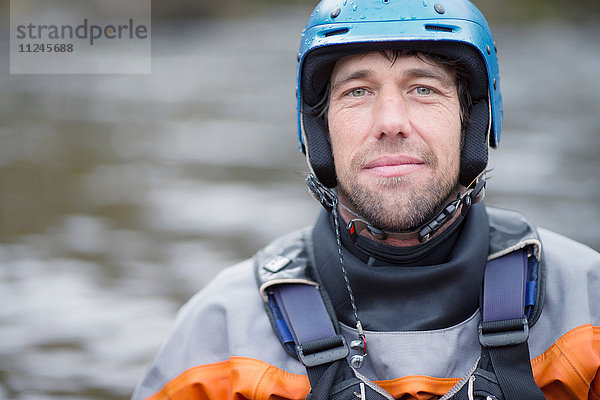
[410, 63]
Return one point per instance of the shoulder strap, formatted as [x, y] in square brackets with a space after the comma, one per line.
[307, 319]
[318, 347]
[504, 330]
[510, 231]
[293, 300]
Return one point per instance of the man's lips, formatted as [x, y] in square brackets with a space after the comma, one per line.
[394, 166]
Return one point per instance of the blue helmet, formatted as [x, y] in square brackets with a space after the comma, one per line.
[455, 29]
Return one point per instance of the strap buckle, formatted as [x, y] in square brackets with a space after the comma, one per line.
[322, 351]
[503, 333]
[324, 195]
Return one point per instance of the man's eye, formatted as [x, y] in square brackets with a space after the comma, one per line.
[423, 90]
[358, 92]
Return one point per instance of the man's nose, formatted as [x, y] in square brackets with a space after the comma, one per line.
[391, 115]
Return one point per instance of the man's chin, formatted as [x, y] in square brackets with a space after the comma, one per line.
[399, 225]
[380, 214]
[412, 212]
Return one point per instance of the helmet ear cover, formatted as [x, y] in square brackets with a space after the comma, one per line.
[316, 69]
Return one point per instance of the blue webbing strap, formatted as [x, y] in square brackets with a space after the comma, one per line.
[504, 330]
[504, 287]
[305, 314]
[281, 326]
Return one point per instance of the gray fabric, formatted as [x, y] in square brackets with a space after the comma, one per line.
[226, 318]
[441, 353]
[572, 290]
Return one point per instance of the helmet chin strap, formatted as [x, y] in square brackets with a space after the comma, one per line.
[425, 232]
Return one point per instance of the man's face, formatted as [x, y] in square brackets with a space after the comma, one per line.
[395, 131]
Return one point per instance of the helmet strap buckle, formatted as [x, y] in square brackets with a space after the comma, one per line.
[324, 195]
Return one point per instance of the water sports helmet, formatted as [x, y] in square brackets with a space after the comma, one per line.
[455, 29]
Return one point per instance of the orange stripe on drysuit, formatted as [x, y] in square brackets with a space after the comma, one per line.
[238, 378]
[567, 370]
[571, 366]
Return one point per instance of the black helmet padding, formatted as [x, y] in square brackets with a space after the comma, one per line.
[474, 152]
[319, 151]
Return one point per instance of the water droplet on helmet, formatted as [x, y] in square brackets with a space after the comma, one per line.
[354, 7]
[424, 4]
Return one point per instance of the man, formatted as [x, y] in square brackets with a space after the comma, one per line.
[407, 286]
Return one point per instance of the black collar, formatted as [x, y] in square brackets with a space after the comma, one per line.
[428, 286]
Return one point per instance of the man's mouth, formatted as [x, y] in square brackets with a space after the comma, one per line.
[390, 166]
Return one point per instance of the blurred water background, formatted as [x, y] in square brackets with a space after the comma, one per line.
[121, 196]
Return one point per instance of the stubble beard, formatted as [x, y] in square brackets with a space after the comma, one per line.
[398, 204]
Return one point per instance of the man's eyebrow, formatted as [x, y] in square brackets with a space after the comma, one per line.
[356, 75]
[426, 73]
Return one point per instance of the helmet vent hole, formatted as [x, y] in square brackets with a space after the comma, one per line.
[341, 31]
[439, 28]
